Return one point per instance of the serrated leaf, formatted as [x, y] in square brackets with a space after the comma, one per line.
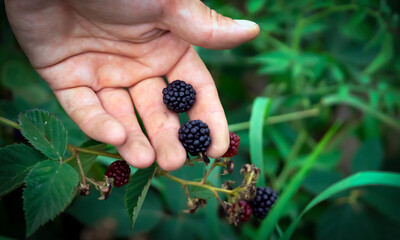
[50, 188]
[45, 132]
[136, 191]
[16, 160]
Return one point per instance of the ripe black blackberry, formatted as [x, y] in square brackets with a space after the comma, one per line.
[234, 142]
[119, 170]
[179, 96]
[263, 201]
[195, 137]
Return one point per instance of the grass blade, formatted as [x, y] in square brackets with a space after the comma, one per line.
[259, 113]
[269, 223]
[357, 180]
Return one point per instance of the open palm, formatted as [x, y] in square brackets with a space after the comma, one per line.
[105, 58]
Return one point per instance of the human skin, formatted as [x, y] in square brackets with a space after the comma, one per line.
[105, 58]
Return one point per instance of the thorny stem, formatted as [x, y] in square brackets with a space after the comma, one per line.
[95, 152]
[78, 160]
[93, 182]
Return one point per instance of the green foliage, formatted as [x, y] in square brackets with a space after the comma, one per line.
[50, 188]
[358, 180]
[45, 132]
[259, 112]
[16, 160]
[136, 191]
[201, 192]
[315, 62]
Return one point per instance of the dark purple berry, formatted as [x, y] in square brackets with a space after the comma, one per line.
[263, 201]
[179, 96]
[119, 171]
[195, 137]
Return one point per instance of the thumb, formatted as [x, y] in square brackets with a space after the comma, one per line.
[199, 25]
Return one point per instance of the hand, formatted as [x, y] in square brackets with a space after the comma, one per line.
[91, 51]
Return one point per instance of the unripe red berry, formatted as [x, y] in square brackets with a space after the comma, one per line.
[234, 143]
[119, 171]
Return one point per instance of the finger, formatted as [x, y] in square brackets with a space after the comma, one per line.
[85, 109]
[207, 107]
[136, 149]
[199, 25]
[161, 124]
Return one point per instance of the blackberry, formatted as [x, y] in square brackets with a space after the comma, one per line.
[195, 137]
[234, 142]
[263, 201]
[119, 170]
[179, 96]
[246, 210]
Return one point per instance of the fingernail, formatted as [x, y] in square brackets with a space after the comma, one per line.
[245, 23]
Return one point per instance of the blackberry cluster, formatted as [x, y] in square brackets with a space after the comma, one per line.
[195, 137]
[263, 201]
[179, 96]
[234, 143]
[246, 211]
[119, 170]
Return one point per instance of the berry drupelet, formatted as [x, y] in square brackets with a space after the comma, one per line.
[179, 96]
[234, 142]
[263, 201]
[246, 209]
[119, 170]
[195, 137]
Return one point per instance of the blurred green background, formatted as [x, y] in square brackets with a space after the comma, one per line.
[316, 60]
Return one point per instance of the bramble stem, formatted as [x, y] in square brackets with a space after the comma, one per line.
[198, 184]
[10, 123]
[214, 164]
[95, 152]
[78, 160]
[278, 119]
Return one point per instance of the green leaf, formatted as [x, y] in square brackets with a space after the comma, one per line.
[319, 180]
[136, 191]
[16, 160]
[45, 132]
[383, 57]
[201, 192]
[369, 156]
[357, 180]
[50, 187]
[15, 74]
[91, 212]
[355, 222]
[282, 144]
[253, 6]
[383, 199]
[259, 112]
[274, 215]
